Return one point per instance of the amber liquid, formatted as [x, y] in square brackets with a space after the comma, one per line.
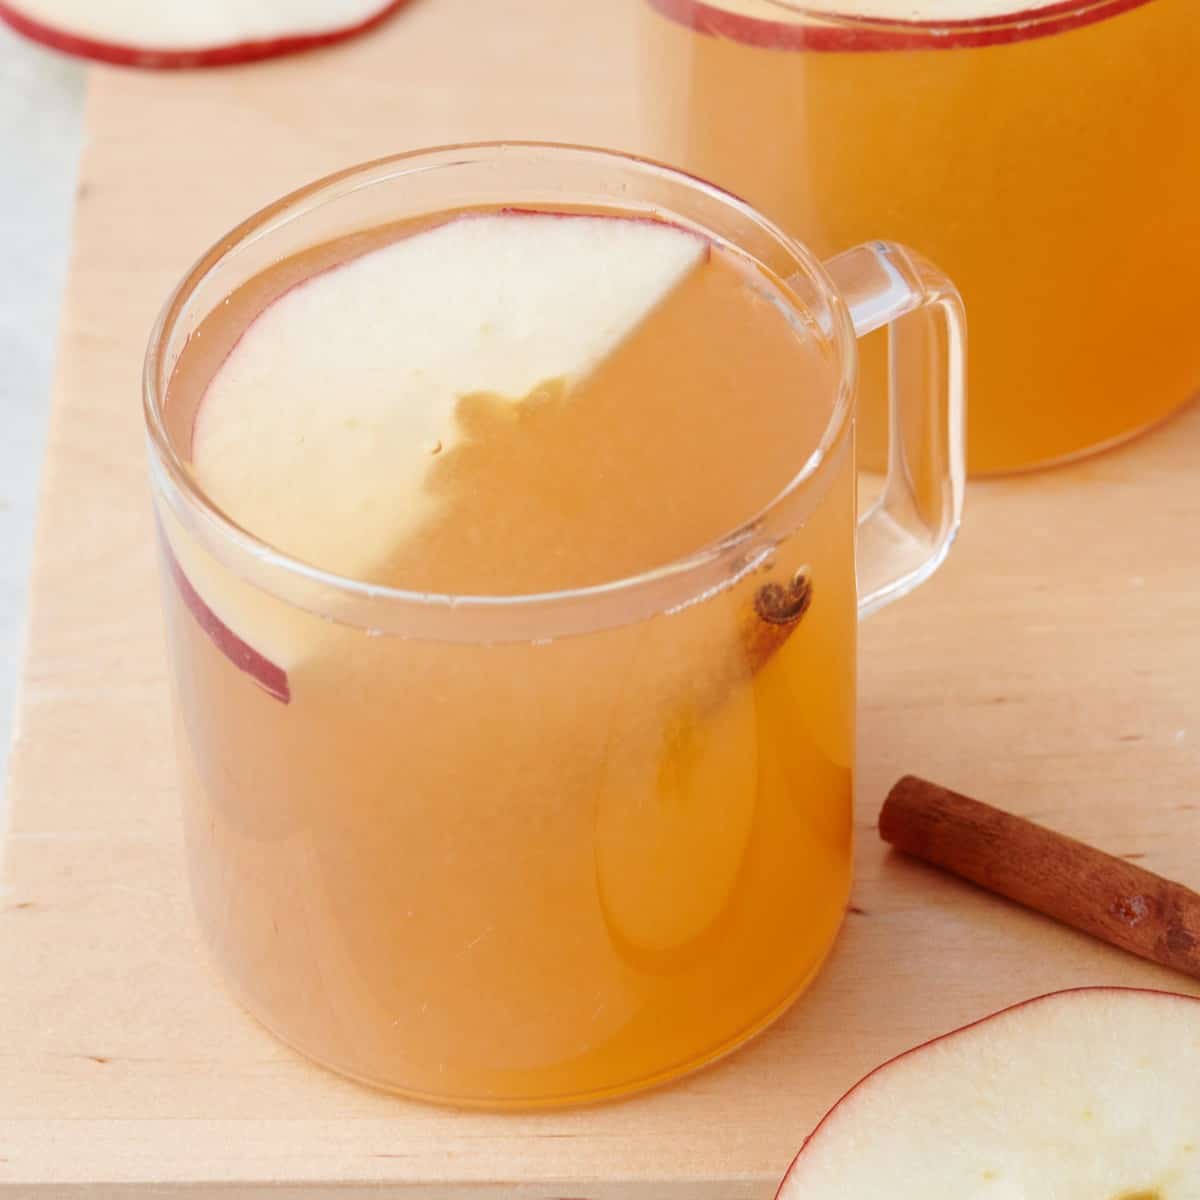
[539, 871]
[1055, 179]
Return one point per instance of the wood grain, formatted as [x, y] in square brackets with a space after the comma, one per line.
[1054, 661]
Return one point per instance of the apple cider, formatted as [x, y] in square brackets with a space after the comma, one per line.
[1044, 154]
[548, 858]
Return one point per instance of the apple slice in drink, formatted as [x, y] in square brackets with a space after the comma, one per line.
[679, 786]
[1088, 1093]
[318, 430]
[675, 812]
[886, 24]
[190, 33]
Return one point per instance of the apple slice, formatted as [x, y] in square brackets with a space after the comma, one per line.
[1089, 1093]
[190, 33]
[318, 430]
[674, 815]
[260, 668]
[886, 24]
[679, 787]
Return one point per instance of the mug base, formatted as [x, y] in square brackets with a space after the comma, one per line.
[1089, 451]
[534, 1103]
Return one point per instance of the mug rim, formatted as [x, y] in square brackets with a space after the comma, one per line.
[1030, 16]
[170, 471]
[813, 25]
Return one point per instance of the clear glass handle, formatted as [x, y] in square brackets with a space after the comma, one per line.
[907, 531]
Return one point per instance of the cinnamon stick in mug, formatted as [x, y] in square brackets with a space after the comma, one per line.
[1110, 898]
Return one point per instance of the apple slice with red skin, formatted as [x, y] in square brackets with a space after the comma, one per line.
[191, 33]
[316, 432]
[876, 25]
[271, 678]
[1091, 1093]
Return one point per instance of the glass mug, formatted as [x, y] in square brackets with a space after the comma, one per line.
[466, 847]
[1044, 153]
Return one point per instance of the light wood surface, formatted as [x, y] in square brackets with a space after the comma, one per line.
[1052, 667]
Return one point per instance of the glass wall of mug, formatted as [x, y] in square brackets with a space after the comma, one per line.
[1045, 154]
[532, 848]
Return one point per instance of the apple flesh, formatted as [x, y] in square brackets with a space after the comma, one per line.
[190, 33]
[317, 432]
[874, 25]
[1092, 1093]
[319, 429]
[675, 812]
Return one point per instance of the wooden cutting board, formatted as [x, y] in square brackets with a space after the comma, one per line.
[1053, 666]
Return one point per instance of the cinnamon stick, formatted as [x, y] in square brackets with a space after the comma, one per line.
[778, 609]
[1112, 899]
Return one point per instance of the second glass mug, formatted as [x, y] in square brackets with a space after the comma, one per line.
[1044, 152]
[467, 848]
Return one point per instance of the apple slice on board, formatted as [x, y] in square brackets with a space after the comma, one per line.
[1092, 1093]
[318, 430]
[190, 33]
[886, 24]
